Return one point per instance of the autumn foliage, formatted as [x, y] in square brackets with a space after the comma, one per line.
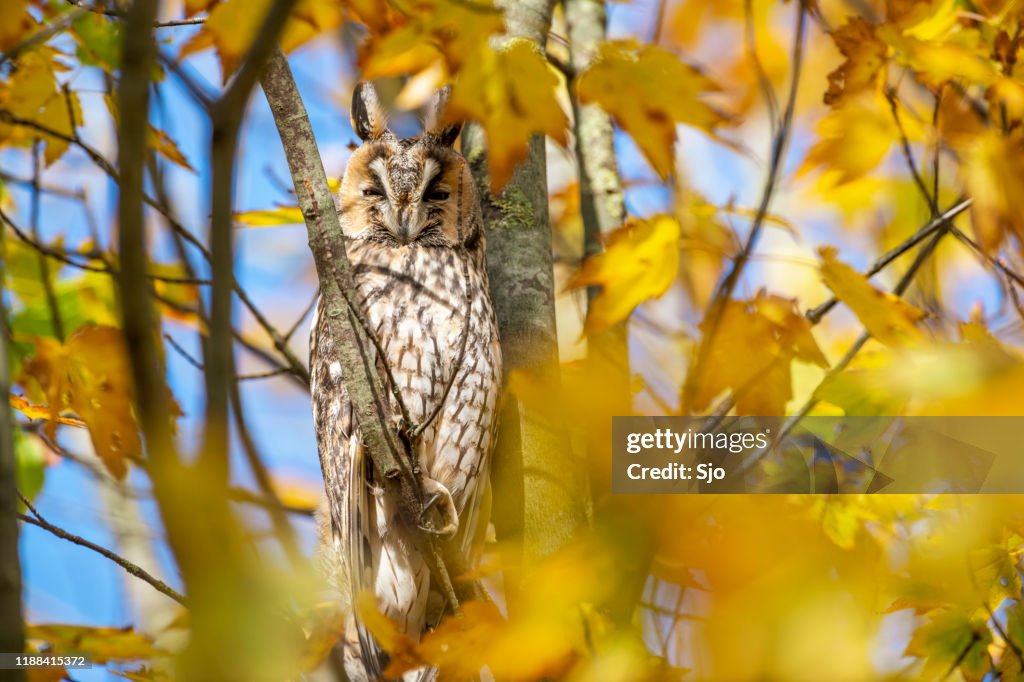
[824, 208]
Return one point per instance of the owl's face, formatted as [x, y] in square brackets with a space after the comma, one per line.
[405, 191]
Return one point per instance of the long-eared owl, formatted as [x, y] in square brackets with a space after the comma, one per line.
[414, 234]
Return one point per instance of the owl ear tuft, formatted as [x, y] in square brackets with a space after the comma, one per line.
[368, 118]
[434, 118]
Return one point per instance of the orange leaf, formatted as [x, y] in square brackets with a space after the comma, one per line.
[41, 412]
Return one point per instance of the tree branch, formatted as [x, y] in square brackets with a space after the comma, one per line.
[160, 586]
[390, 457]
[731, 279]
[226, 118]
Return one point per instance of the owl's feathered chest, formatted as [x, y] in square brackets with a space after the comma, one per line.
[416, 299]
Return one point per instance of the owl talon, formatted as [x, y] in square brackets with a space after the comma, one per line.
[445, 513]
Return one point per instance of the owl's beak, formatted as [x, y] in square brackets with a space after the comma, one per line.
[407, 225]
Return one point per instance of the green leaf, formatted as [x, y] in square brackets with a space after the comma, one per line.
[99, 41]
[951, 639]
[30, 464]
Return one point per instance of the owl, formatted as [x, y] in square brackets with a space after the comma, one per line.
[414, 235]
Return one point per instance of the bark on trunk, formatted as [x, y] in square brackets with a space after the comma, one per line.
[539, 492]
[12, 635]
[603, 209]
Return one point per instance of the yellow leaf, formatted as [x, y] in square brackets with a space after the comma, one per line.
[33, 93]
[309, 19]
[930, 20]
[15, 22]
[323, 624]
[639, 262]
[648, 91]
[940, 62]
[706, 242]
[232, 26]
[864, 68]
[41, 412]
[888, 318]
[90, 375]
[193, 7]
[751, 354]
[993, 174]
[102, 644]
[447, 30]
[854, 138]
[792, 329]
[401, 648]
[272, 217]
[163, 143]
[510, 91]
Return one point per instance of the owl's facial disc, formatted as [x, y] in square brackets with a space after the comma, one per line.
[407, 191]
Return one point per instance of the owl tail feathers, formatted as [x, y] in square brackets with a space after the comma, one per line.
[439, 515]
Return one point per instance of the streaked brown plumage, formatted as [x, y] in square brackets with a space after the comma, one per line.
[411, 213]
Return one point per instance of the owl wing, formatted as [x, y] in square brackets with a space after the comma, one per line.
[349, 497]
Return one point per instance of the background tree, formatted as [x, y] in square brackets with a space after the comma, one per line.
[793, 209]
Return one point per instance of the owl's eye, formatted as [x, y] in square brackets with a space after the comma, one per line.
[372, 192]
[437, 195]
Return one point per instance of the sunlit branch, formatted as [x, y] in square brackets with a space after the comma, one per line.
[36, 519]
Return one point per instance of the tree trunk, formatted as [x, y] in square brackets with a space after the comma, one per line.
[602, 209]
[12, 635]
[538, 483]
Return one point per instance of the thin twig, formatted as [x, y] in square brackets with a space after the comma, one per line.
[908, 154]
[305, 313]
[844, 362]
[65, 257]
[115, 14]
[816, 314]
[35, 211]
[279, 344]
[264, 375]
[160, 586]
[55, 190]
[182, 352]
[729, 282]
